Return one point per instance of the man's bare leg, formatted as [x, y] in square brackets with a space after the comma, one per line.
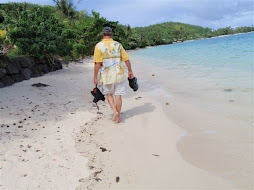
[111, 102]
[118, 106]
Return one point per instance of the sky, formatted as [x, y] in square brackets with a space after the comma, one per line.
[207, 13]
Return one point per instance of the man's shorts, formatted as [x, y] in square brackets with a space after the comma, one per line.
[114, 89]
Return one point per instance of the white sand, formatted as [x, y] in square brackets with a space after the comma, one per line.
[141, 150]
[38, 151]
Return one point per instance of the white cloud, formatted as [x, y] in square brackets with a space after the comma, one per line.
[208, 13]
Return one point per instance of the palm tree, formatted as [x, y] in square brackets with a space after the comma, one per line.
[66, 7]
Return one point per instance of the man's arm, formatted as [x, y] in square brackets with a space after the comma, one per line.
[128, 64]
[97, 67]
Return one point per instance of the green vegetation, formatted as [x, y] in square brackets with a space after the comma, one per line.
[40, 34]
[46, 31]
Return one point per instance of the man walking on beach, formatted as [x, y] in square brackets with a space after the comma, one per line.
[109, 56]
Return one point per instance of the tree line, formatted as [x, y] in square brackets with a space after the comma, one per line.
[49, 31]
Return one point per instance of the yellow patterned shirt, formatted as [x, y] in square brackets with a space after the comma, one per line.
[112, 55]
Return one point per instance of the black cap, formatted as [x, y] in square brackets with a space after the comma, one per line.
[107, 29]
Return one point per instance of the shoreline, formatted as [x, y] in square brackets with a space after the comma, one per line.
[215, 121]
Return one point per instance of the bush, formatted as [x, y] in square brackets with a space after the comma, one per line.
[40, 34]
[14, 53]
[79, 50]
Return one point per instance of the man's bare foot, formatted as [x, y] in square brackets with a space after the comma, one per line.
[115, 116]
[118, 119]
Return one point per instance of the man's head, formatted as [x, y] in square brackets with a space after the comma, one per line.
[107, 31]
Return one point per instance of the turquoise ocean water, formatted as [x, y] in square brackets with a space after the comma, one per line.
[209, 87]
[227, 60]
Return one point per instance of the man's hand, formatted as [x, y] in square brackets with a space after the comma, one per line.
[131, 75]
[128, 64]
[95, 81]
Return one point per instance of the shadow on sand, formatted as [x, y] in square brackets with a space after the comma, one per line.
[147, 107]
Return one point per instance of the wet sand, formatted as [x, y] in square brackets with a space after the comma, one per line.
[217, 122]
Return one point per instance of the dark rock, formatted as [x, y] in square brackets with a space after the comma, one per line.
[12, 69]
[1, 84]
[39, 70]
[26, 73]
[57, 65]
[46, 69]
[43, 68]
[2, 73]
[16, 62]
[31, 61]
[35, 75]
[3, 61]
[17, 78]
[41, 74]
[35, 72]
[22, 62]
[25, 62]
[23, 68]
[8, 80]
[39, 67]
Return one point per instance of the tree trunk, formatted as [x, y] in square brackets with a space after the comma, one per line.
[6, 32]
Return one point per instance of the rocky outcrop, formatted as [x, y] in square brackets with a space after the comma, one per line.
[23, 68]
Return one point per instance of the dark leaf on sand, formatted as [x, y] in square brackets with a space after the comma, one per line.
[81, 180]
[40, 85]
[97, 179]
[103, 149]
[117, 179]
[96, 173]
